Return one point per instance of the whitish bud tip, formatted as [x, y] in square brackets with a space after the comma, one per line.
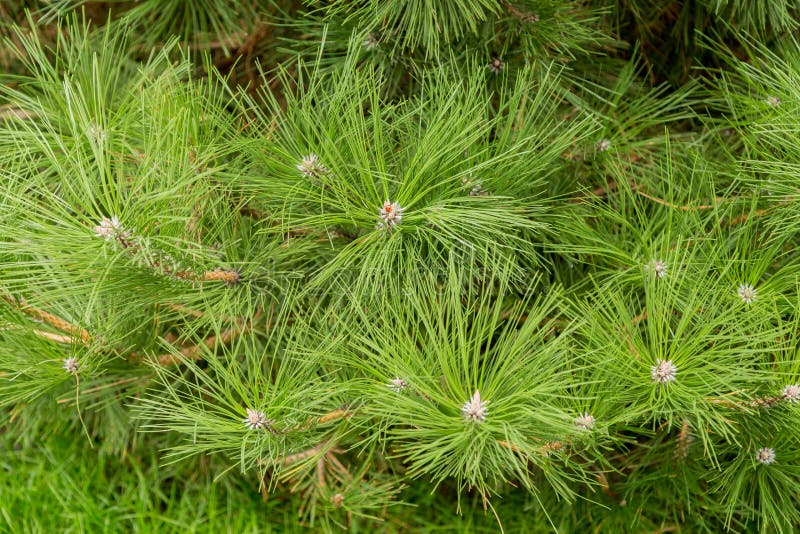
[71, 365]
[256, 420]
[110, 228]
[496, 65]
[310, 166]
[765, 455]
[658, 268]
[747, 293]
[663, 371]
[791, 392]
[391, 213]
[475, 410]
[585, 421]
[397, 385]
[370, 42]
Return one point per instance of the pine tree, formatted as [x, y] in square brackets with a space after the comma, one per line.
[465, 265]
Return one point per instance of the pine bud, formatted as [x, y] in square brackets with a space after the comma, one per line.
[397, 385]
[765, 455]
[256, 420]
[791, 392]
[658, 268]
[475, 187]
[110, 229]
[370, 42]
[310, 167]
[747, 293]
[71, 365]
[474, 410]
[604, 145]
[96, 134]
[773, 101]
[663, 371]
[391, 214]
[585, 421]
[496, 65]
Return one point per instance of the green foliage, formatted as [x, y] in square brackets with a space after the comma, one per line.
[215, 23]
[671, 32]
[402, 266]
[470, 177]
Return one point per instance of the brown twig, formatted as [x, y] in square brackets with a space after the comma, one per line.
[742, 218]
[59, 323]
[194, 352]
[326, 456]
[331, 457]
[522, 15]
[53, 320]
[684, 440]
[605, 487]
[292, 458]
[328, 417]
[58, 338]
[321, 472]
[9, 112]
[335, 415]
[510, 446]
[552, 446]
[229, 277]
[758, 402]
[183, 309]
[545, 449]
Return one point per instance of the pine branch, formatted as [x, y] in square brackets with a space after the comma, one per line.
[57, 338]
[523, 16]
[110, 229]
[766, 402]
[335, 415]
[53, 320]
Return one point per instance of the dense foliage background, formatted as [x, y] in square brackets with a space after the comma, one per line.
[399, 265]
